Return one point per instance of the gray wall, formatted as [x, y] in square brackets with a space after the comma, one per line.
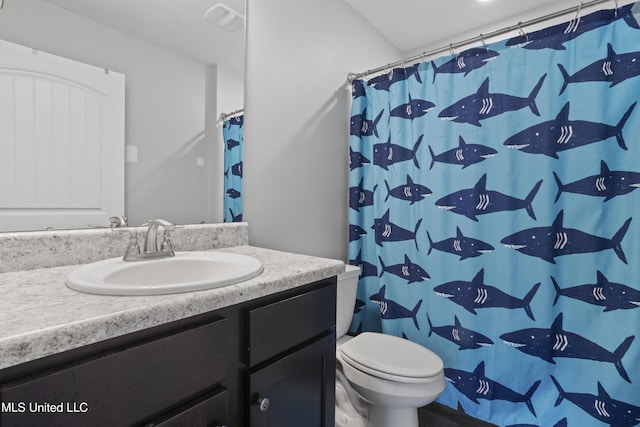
[165, 109]
[297, 120]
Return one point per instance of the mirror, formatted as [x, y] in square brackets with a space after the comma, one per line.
[181, 72]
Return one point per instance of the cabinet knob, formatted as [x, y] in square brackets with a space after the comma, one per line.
[263, 404]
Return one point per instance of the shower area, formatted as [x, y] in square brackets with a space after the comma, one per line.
[492, 209]
[233, 139]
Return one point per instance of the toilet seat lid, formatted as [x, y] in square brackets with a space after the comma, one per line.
[391, 355]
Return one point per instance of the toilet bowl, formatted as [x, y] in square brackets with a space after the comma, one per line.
[391, 375]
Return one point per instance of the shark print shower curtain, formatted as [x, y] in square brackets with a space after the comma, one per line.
[232, 134]
[494, 212]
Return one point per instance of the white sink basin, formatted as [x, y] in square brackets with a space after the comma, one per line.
[187, 271]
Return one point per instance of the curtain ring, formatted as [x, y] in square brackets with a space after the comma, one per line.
[483, 41]
[390, 71]
[577, 18]
[451, 51]
[522, 33]
[616, 12]
[573, 24]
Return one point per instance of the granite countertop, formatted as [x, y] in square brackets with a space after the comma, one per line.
[41, 316]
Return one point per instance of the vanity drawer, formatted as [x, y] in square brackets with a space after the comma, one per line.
[279, 326]
[210, 410]
[124, 386]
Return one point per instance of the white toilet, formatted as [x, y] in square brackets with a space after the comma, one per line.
[391, 375]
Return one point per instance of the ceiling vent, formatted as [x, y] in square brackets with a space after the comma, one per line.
[224, 17]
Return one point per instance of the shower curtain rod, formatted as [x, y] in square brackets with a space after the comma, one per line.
[224, 116]
[478, 39]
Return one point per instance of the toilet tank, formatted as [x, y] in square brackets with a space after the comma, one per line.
[346, 298]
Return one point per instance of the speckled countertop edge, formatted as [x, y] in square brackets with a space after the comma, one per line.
[41, 249]
[41, 316]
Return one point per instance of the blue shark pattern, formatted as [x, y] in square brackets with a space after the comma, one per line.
[561, 423]
[553, 342]
[236, 169]
[603, 293]
[233, 193]
[234, 217]
[476, 385]
[465, 154]
[233, 136]
[392, 310]
[478, 200]
[534, 154]
[407, 270]
[413, 109]
[359, 197]
[384, 81]
[465, 62]
[232, 143]
[361, 126]
[387, 154]
[366, 268]
[475, 294]
[561, 134]
[614, 68]
[357, 89]
[386, 231]
[556, 36]
[549, 242]
[356, 232]
[235, 121]
[410, 191]
[464, 338]
[602, 407]
[465, 247]
[607, 184]
[483, 105]
[357, 160]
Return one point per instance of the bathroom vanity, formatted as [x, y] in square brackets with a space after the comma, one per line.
[259, 353]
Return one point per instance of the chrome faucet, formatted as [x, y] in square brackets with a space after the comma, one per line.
[150, 248]
[151, 240]
[117, 221]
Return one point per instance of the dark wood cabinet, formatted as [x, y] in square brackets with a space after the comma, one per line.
[208, 411]
[296, 390]
[213, 369]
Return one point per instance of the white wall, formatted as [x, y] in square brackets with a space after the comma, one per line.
[533, 14]
[165, 108]
[297, 120]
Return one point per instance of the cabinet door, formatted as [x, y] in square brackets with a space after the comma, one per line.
[296, 390]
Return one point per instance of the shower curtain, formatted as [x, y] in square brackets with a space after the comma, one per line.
[492, 208]
[232, 134]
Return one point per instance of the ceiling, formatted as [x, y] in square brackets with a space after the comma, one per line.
[433, 24]
[174, 24]
[178, 24]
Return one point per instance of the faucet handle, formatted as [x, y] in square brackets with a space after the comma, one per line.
[117, 221]
[167, 245]
[133, 250]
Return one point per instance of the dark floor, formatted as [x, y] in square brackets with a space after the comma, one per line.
[437, 415]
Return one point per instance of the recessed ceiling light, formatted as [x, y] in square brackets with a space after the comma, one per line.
[224, 17]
